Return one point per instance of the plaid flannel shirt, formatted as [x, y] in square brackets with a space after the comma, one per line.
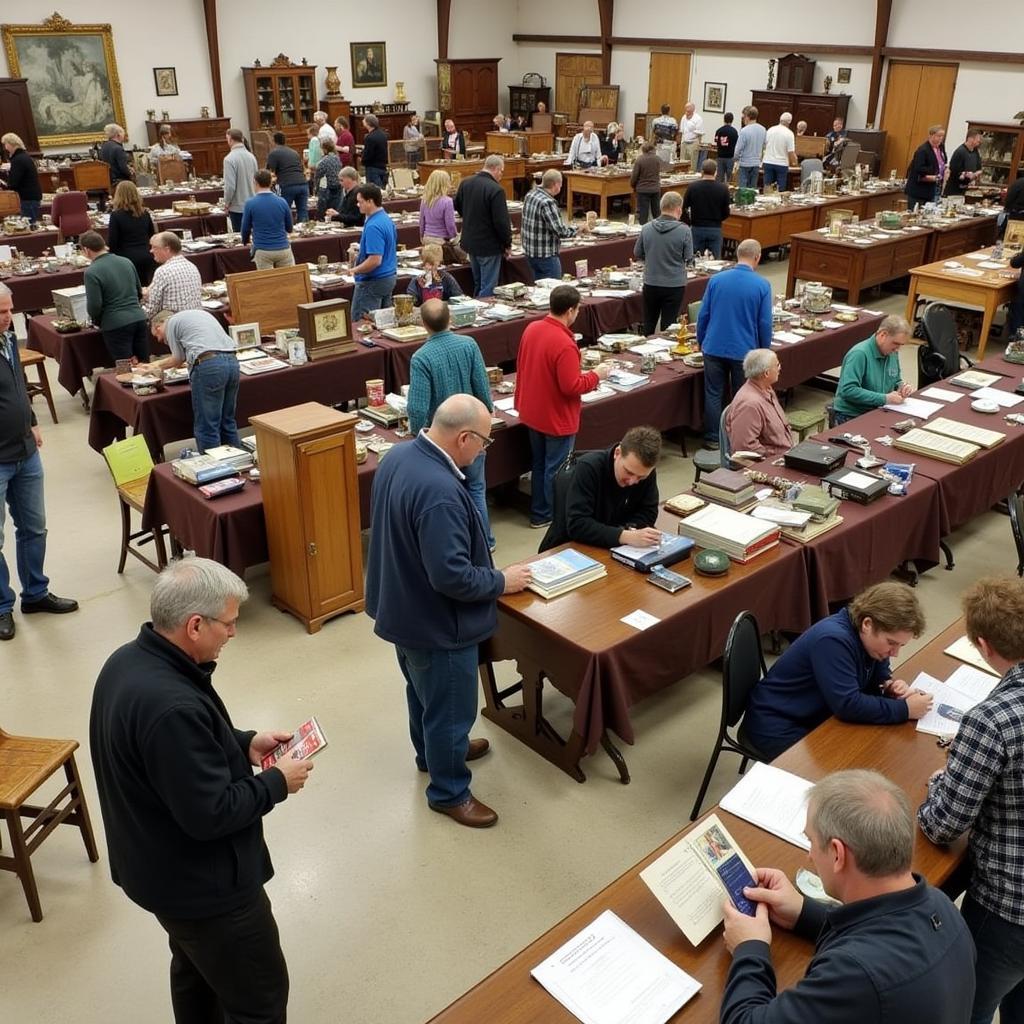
[982, 790]
[176, 286]
[543, 227]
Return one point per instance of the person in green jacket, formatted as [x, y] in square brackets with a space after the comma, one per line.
[113, 297]
[870, 375]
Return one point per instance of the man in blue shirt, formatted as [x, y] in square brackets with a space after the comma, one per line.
[267, 219]
[376, 268]
[840, 667]
[749, 147]
[735, 317]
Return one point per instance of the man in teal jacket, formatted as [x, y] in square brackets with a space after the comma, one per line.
[870, 375]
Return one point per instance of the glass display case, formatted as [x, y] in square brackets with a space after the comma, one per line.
[281, 97]
[1000, 150]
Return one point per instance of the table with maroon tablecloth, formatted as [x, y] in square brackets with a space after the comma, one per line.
[165, 200]
[802, 360]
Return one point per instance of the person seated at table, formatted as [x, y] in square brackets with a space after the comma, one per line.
[435, 282]
[197, 340]
[163, 146]
[130, 229]
[894, 949]
[612, 495]
[613, 145]
[840, 666]
[348, 212]
[177, 283]
[112, 300]
[870, 374]
[437, 210]
[754, 421]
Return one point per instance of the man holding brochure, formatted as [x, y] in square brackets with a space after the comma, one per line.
[894, 950]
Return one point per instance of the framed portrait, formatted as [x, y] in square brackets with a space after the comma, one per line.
[843, 76]
[714, 97]
[166, 80]
[245, 335]
[73, 85]
[369, 65]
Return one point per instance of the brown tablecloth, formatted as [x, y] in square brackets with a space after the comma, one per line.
[805, 359]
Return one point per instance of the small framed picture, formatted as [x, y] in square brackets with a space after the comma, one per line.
[843, 76]
[166, 81]
[245, 335]
[714, 97]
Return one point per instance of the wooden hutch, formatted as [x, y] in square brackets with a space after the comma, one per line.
[523, 99]
[16, 113]
[281, 98]
[467, 92]
[793, 92]
[203, 137]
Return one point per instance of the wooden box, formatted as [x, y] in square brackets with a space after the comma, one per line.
[326, 328]
[269, 297]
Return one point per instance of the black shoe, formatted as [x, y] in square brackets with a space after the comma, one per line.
[6, 626]
[51, 603]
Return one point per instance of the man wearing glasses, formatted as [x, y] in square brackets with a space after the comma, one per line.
[431, 589]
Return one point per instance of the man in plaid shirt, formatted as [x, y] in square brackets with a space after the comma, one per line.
[982, 791]
[176, 283]
[543, 228]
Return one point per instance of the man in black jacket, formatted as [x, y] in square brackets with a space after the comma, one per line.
[610, 496]
[705, 208]
[348, 212]
[182, 809]
[486, 228]
[895, 950]
[22, 175]
[375, 152]
[21, 486]
[964, 165]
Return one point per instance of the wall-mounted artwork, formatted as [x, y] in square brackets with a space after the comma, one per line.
[166, 81]
[714, 97]
[369, 65]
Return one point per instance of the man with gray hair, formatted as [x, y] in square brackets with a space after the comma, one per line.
[779, 153]
[486, 228]
[585, 149]
[375, 152]
[894, 950]
[431, 589]
[183, 810]
[112, 152]
[177, 283]
[348, 212]
[664, 244]
[755, 421]
[543, 227]
[870, 375]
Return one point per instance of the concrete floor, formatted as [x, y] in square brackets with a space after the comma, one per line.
[387, 911]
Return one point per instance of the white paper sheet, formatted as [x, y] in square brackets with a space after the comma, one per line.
[915, 407]
[774, 800]
[942, 394]
[640, 619]
[963, 650]
[993, 265]
[788, 337]
[958, 694]
[855, 479]
[1005, 399]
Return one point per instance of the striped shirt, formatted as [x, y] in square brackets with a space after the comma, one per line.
[176, 286]
[543, 226]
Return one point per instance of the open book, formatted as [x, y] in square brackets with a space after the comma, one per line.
[955, 696]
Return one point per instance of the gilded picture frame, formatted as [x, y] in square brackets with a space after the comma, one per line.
[73, 84]
[369, 65]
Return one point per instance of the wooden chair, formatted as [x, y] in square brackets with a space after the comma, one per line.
[171, 168]
[25, 764]
[130, 464]
[10, 204]
[40, 386]
[1015, 506]
[90, 176]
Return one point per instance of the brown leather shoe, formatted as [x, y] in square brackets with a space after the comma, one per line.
[476, 749]
[472, 813]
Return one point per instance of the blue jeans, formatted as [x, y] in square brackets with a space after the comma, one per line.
[373, 294]
[236, 220]
[747, 176]
[214, 395]
[999, 969]
[841, 417]
[716, 372]
[777, 174]
[476, 484]
[30, 209]
[485, 274]
[377, 176]
[545, 266]
[549, 452]
[440, 689]
[725, 164]
[707, 238]
[299, 195]
[21, 489]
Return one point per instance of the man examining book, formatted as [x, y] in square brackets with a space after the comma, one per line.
[182, 809]
[609, 497]
[981, 792]
[894, 950]
[870, 376]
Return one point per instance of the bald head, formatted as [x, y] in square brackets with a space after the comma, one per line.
[461, 427]
[435, 316]
[689, 109]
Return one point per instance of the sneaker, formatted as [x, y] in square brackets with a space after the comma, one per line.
[540, 526]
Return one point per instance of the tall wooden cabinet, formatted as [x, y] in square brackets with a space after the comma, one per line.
[16, 113]
[818, 109]
[281, 98]
[203, 137]
[523, 99]
[467, 92]
[1001, 150]
[307, 458]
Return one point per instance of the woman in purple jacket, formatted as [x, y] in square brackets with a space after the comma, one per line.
[437, 212]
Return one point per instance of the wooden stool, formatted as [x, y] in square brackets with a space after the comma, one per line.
[41, 386]
[25, 764]
[806, 421]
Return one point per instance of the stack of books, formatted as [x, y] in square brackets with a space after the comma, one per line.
[740, 536]
[558, 574]
[216, 464]
[623, 380]
[386, 415]
[728, 487]
[936, 446]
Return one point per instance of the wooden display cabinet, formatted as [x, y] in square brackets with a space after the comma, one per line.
[281, 98]
[467, 92]
[393, 118]
[523, 99]
[307, 457]
[818, 109]
[203, 137]
[1001, 150]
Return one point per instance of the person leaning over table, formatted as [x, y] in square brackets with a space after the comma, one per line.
[130, 229]
[893, 950]
[286, 166]
[981, 792]
[645, 180]
[543, 227]
[612, 497]
[870, 373]
[840, 666]
[437, 210]
[435, 282]
[197, 340]
[927, 170]
[177, 283]
[22, 175]
[376, 268]
[113, 300]
[348, 212]
[665, 245]
[266, 221]
[755, 421]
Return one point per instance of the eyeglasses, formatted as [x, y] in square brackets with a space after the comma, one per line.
[226, 625]
[485, 441]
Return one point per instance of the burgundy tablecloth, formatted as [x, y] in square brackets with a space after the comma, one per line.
[805, 359]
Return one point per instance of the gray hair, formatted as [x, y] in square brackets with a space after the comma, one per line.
[10, 139]
[349, 174]
[786, 118]
[671, 201]
[110, 130]
[319, 116]
[748, 249]
[193, 586]
[892, 325]
[757, 362]
[869, 814]
[371, 120]
[552, 176]
[4, 290]
[458, 412]
[494, 163]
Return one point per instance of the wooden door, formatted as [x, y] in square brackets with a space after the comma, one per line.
[668, 81]
[916, 97]
[572, 72]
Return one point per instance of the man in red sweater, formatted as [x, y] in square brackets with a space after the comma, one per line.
[548, 388]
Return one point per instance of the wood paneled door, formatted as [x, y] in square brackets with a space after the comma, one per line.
[668, 82]
[572, 72]
[916, 97]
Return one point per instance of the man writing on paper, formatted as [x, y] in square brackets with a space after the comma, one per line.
[982, 792]
[870, 374]
[896, 950]
[612, 495]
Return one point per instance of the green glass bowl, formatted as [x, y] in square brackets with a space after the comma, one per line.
[711, 562]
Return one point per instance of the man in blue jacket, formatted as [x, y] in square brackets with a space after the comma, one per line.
[735, 317]
[894, 950]
[431, 589]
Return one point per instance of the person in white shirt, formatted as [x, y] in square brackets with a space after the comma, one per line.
[324, 128]
[585, 150]
[779, 153]
[691, 128]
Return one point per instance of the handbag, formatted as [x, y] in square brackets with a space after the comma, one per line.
[452, 252]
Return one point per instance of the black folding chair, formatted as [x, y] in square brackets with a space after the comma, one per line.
[940, 355]
[1015, 504]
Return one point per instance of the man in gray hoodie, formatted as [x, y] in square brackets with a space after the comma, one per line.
[665, 244]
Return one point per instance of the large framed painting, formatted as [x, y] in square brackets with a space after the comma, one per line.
[369, 65]
[73, 85]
